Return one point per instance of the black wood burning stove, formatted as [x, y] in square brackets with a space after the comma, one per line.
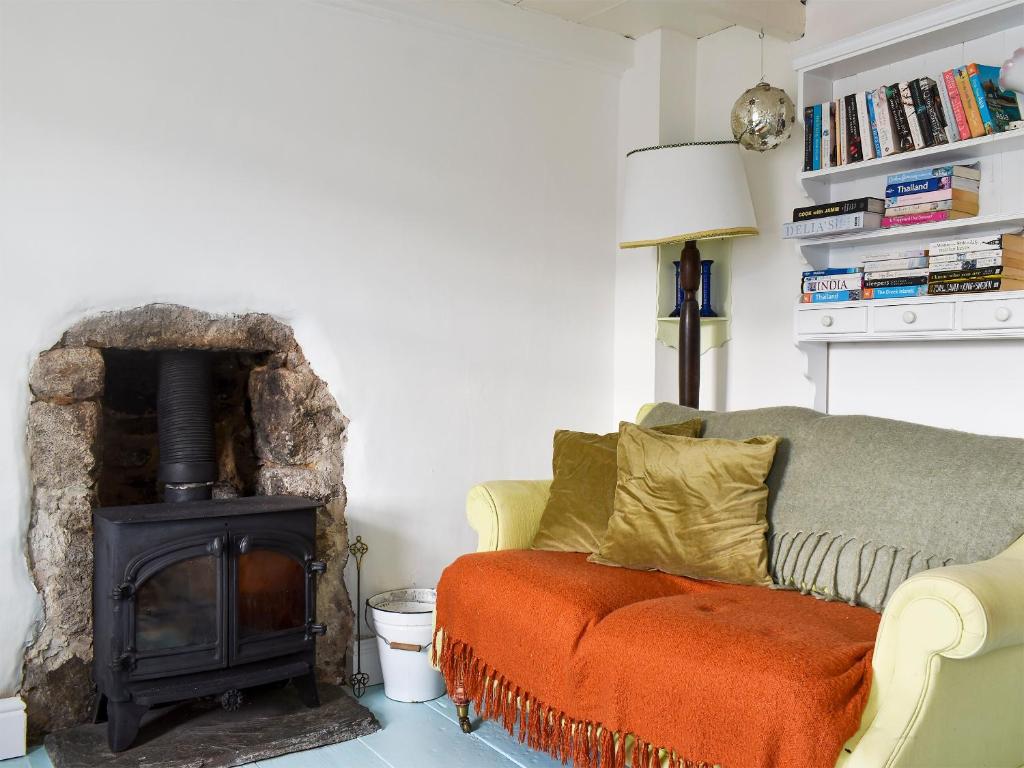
[197, 597]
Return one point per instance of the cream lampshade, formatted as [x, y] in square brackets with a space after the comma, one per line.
[682, 193]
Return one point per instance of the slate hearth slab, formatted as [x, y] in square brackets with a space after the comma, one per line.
[272, 722]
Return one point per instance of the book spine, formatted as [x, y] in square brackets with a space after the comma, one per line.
[979, 96]
[965, 245]
[825, 297]
[840, 135]
[985, 262]
[948, 119]
[853, 146]
[967, 273]
[915, 262]
[909, 219]
[895, 292]
[816, 139]
[834, 283]
[930, 197]
[963, 85]
[808, 138]
[840, 208]
[836, 159]
[831, 271]
[830, 225]
[933, 110]
[873, 120]
[964, 286]
[959, 258]
[938, 205]
[867, 144]
[959, 116]
[921, 112]
[968, 172]
[826, 136]
[901, 130]
[913, 124]
[895, 282]
[883, 120]
[888, 274]
[930, 184]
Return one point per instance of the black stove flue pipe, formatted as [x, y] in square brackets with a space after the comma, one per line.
[188, 459]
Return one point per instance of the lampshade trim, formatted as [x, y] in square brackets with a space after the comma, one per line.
[704, 234]
[684, 144]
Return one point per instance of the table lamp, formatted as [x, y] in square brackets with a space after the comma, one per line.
[682, 193]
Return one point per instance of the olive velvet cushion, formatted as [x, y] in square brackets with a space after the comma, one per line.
[692, 507]
[583, 487]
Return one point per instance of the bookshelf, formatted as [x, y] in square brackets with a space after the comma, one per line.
[986, 31]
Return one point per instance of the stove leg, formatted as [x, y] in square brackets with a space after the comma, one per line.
[99, 711]
[308, 692]
[123, 724]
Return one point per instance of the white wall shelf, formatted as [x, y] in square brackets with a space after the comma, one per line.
[997, 315]
[714, 332]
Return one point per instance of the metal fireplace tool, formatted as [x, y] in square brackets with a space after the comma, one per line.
[359, 678]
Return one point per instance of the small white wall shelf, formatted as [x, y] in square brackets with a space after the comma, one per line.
[714, 332]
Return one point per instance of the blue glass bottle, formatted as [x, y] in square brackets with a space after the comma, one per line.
[679, 294]
[705, 288]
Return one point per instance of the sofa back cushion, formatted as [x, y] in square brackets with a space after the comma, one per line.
[858, 504]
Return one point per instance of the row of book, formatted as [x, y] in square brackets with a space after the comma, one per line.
[914, 197]
[966, 102]
[969, 265]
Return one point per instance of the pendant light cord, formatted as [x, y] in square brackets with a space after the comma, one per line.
[761, 37]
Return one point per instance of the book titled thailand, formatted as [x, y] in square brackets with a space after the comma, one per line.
[930, 184]
[827, 297]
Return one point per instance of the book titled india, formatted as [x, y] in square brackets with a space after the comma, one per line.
[831, 225]
[883, 121]
[930, 184]
[816, 139]
[895, 292]
[901, 128]
[958, 114]
[910, 219]
[808, 138]
[873, 120]
[826, 297]
[974, 78]
[856, 205]
[963, 85]
[921, 112]
[832, 283]
[933, 110]
[1003, 104]
[854, 152]
[963, 171]
[964, 286]
[867, 145]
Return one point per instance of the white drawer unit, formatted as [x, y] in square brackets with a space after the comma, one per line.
[914, 318]
[831, 320]
[996, 314]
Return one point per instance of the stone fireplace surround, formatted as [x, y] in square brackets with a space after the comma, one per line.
[91, 442]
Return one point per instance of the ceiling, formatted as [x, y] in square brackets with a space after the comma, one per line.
[783, 19]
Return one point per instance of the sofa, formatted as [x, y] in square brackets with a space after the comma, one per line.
[922, 525]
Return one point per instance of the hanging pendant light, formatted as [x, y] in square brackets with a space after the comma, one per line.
[763, 116]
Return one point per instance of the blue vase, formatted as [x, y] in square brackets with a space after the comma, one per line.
[679, 294]
[705, 288]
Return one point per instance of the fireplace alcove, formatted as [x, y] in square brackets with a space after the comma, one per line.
[93, 443]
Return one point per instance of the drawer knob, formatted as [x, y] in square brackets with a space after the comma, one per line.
[909, 317]
[1003, 314]
[826, 320]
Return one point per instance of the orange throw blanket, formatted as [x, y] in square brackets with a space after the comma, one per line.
[578, 655]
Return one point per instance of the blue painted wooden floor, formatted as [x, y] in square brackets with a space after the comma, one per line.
[412, 736]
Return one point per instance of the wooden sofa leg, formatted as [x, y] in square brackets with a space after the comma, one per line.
[461, 702]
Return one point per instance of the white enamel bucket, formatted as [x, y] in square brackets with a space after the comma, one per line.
[403, 620]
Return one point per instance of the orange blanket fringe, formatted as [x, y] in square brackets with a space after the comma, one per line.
[772, 679]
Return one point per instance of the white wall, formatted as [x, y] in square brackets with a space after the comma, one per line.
[434, 212]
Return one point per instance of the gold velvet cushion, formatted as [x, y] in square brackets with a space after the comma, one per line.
[583, 486]
[691, 507]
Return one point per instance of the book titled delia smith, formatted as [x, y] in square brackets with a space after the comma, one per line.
[832, 225]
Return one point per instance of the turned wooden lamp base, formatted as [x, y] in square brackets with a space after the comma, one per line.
[689, 326]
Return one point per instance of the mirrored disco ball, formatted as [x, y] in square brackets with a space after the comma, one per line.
[762, 118]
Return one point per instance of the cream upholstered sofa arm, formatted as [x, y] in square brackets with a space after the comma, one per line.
[506, 513]
[948, 671]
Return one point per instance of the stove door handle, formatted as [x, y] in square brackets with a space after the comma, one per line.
[244, 544]
[217, 546]
[318, 567]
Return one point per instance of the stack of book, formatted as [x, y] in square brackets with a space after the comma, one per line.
[895, 275]
[855, 215]
[976, 265]
[828, 285]
[931, 194]
[962, 103]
